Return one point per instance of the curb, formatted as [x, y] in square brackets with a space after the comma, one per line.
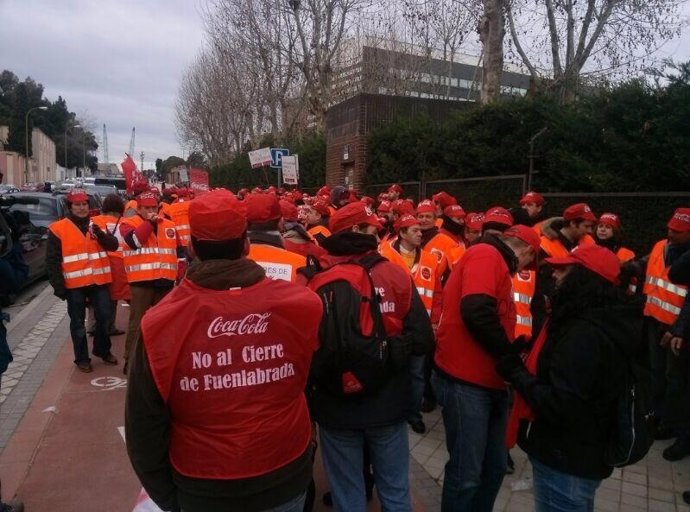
[26, 311]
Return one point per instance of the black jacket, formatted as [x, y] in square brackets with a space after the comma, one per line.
[579, 376]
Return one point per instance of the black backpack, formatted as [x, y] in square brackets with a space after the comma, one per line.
[633, 429]
[353, 358]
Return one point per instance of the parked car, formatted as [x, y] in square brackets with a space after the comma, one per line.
[31, 237]
[8, 189]
[52, 207]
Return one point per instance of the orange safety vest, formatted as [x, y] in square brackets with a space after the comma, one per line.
[556, 249]
[625, 255]
[524, 284]
[179, 213]
[110, 223]
[664, 299]
[319, 229]
[155, 259]
[278, 263]
[441, 245]
[119, 287]
[423, 272]
[84, 261]
[232, 366]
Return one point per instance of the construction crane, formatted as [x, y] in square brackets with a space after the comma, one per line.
[105, 145]
[131, 143]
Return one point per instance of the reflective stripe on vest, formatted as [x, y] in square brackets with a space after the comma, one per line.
[84, 256]
[524, 320]
[666, 285]
[151, 266]
[663, 305]
[425, 292]
[86, 272]
[521, 297]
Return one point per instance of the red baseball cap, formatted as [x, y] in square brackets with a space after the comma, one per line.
[217, 215]
[680, 220]
[77, 195]
[499, 215]
[262, 208]
[474, 220]
[610, 219]
[426, 206]
[369, 201]
[402, 207]
[405, 221]
[532, 197]
[527, 235]
[352, 214]
[395, 188]
[321, 207]
[579, 211]
[384, 207]
[444, 199]
[593, 257]
[288, 210]
[454, 211]
[147, 199]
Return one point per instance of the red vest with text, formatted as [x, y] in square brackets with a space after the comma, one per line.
[664, 299]
[482, 270]
[231, 366]
[84, 261]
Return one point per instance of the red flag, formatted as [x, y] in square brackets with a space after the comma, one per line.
[132, 175]
[198, 181]
[128, 168]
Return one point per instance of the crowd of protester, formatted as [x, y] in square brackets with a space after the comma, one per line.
[515, 323]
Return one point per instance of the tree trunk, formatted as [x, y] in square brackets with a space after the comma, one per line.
[491, 33]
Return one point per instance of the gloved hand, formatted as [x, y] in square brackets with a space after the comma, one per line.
[60, 294]
[512, 369]
[521, 344]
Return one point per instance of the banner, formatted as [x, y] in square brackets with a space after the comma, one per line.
[198, 181]
[290, 169]
[260, 157]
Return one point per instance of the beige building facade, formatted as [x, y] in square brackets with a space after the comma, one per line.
[42, 166]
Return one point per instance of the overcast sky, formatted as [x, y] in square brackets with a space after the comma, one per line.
[120, 62]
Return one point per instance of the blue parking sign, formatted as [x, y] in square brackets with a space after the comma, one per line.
[277, 154]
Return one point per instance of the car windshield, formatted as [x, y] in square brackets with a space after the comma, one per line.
[42, 213]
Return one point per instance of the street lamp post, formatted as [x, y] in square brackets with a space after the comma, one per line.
[26, 140]
[67, 128]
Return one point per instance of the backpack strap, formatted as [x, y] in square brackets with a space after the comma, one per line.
[367, 263]
[312, 267]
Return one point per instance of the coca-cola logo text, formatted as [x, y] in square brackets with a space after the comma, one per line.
[253, 323]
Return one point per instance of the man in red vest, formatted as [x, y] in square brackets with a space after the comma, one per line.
[78, 268]
[216, 417]
[477, 328]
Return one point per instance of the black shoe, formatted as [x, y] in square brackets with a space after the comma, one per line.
[686, 497]
[510, 465]
[428, 404]
[417, 426]
[90, 333]
[678, 450]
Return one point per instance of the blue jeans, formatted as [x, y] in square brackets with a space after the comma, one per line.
[555, 491]
[475, 421]
[342, 452]
[76, 308]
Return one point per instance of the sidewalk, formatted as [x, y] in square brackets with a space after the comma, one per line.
[62, 442]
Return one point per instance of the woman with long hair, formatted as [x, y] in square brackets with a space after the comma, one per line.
[567, 388]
